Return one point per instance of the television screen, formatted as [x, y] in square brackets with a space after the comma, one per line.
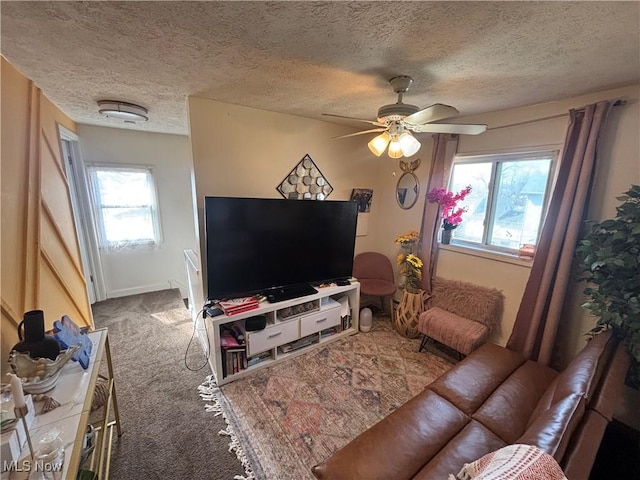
[256, 244]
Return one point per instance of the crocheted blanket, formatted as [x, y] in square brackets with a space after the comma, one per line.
[514, 462]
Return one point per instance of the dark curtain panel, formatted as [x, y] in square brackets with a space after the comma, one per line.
[431, 222]
[536, 325]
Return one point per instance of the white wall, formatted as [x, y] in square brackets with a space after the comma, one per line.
[132, 271]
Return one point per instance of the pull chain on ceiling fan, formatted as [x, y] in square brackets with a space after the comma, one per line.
[398, 120]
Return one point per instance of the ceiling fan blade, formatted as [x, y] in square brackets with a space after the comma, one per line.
[372, 122]
[433, 113]
[373, 130]
[448, 128]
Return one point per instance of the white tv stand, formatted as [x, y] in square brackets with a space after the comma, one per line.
[290, 330]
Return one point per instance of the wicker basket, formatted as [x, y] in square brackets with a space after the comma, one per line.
[406, 317]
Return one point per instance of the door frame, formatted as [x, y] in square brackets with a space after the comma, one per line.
[81, 206]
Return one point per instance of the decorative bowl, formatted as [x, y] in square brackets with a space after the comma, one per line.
[39, 375]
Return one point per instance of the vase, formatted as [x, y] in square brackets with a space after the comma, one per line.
[446, 236]
[406, 318]
[35, 342]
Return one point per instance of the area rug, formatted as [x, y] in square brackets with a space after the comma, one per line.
[286, 418]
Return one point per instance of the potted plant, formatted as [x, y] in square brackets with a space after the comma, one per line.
[412, 301]
[609, 260]
[451, 214]
[410, 264]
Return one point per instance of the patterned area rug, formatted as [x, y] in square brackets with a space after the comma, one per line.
[291, 416]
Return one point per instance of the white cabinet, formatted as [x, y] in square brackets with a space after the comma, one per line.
[272, 336]
[321, 320]
[293, 327]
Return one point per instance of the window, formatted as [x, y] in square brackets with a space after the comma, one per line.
[508, 198]
[125, 204]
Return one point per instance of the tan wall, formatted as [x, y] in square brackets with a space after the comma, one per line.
[245, 152]
[41, 267]
[619, 167]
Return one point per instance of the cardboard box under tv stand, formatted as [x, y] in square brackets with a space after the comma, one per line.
[293, 327]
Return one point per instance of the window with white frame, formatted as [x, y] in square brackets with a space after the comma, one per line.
[125, 204]
[508, 199]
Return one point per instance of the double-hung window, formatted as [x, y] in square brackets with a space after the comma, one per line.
[125, 204]
[508, 199]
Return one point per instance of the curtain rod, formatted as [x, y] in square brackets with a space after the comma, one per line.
[617, 103]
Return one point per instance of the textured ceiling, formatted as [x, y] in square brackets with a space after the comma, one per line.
[309, 58]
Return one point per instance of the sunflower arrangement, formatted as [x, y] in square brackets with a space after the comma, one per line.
[410, 264]
[408, 239]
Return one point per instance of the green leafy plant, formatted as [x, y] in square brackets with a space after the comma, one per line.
[609, 260]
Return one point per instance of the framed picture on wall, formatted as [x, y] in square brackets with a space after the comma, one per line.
[363, 197]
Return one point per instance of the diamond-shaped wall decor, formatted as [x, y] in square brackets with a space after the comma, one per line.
[305, 182]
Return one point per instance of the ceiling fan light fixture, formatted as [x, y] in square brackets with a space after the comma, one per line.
[128, 112]
[408, 144]
[379, 144]
[395, 151]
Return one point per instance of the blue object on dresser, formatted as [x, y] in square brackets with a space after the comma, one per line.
[68, 334]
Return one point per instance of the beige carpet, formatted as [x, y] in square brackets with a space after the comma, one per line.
[167, 434]
[291, 416]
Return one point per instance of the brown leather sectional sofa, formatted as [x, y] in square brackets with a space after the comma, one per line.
[493, 398]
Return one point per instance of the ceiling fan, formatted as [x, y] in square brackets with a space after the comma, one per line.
[398, 120]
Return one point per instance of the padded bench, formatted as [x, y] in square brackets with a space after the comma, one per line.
[460, 315]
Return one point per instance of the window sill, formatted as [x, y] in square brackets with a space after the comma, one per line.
[130, 246]
[488, 254]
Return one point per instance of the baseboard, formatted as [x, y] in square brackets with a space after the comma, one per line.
[124, 292]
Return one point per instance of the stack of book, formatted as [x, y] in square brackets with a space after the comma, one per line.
[234, 354]
[238, 305]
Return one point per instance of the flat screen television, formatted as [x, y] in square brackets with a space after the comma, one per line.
[276, 247]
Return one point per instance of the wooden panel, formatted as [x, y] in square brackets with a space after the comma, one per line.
[14, 186]
[55, 194]
[10, 320]
[57, 301]
[61, 260]
[40, 253]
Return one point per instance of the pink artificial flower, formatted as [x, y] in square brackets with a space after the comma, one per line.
[451, 216]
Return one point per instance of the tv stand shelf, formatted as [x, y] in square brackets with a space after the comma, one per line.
[293, 327]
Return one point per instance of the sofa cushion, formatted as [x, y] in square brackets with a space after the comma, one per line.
[400, 444]
[468, 384]
[507, 411]
[470, 444]
[552, 430]
[457, 332]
